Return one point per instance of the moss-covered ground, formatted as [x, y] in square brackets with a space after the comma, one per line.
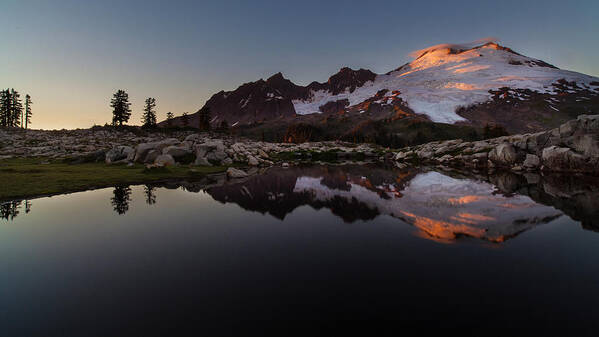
[27, 177]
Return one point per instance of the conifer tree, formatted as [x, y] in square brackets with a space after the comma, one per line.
[16, 108]
[169, 118]
[5, 103]
[28, 113]
[149, 116]
[121, 108]
[11, 109]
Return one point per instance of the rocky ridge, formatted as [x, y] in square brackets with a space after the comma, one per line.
[572, 147]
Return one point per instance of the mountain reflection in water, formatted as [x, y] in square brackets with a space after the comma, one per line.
[443, 206]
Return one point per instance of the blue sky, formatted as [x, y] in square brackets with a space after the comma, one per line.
[72, 55]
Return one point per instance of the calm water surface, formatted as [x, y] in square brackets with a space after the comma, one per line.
[332, 250]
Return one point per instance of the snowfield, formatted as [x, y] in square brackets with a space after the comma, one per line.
[439, 81]
[443, 207]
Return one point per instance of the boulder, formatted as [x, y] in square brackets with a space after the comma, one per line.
[252, 161]
[503, 155]
[164, 160]
[176, 151]
[194, 138]
[532, 161]
[216, 155]
[262, 154]
[202, 161]
[202, 150]
[119, 153]
[587, 144]
[142, 149]
[151, 156]
[235, 173]
[564, 159]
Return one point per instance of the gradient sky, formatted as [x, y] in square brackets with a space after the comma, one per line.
[71, 56]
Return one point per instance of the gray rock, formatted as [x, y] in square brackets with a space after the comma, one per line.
[235, 173]
[564, 159]
[202, 161]
[194, 138]
[586, 144]
[119, 153]
[142, 149]
[151, 156]
[531, 161]
[262, 154]
[176, 151]
[164, 160]
[503, 155]
[216, 155]
[252, 161]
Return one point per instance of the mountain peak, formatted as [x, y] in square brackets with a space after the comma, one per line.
[276, 78]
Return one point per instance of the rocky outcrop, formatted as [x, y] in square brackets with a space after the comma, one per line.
[115, 146]
[572, 147]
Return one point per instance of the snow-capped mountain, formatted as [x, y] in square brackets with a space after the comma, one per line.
[444, 78]
[445, 84]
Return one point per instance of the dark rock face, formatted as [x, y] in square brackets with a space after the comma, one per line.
[272, 99]
[334, 107]
[350, 79]
[524, 110]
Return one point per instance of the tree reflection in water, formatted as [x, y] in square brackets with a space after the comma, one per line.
[121, 198]
[11, 209]
[150, 193]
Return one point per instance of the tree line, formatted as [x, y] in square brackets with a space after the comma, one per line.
[121, 113]
[12, 112]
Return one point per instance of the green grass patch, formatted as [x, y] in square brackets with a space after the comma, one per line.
[27, 177]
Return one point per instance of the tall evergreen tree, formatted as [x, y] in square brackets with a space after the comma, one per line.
[5, 104]
[121, 108]
[17, 108]
[28, 113]
[149, 116]
[11, 109]
[169, 118]
[205, 119]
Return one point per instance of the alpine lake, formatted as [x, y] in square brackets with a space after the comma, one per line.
[307, 250]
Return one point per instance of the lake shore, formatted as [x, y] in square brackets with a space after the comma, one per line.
[53, 162]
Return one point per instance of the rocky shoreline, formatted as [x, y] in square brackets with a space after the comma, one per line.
[572, 147]
[180, 148]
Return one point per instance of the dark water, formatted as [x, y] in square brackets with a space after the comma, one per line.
[352, 250]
